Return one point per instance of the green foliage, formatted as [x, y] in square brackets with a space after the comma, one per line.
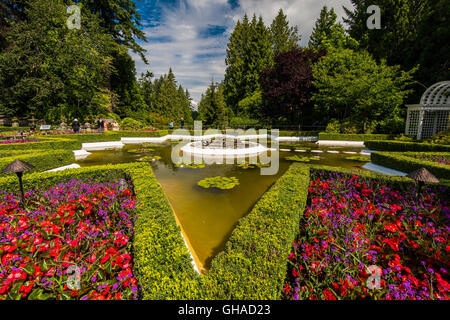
[249, 52]
[409, 162]
[243, 123]
[345, 127]
[354, 137]
[440, 138]
[164, 99]
[223, 183]
[251, 105]
[246, 165]
[51, 70]
[149, 158]
[359, 158]
[130, 124]
[297, 158]
[254, 263]
[191, 165]
[74, 141]
[405, 146]
[42, 160]
[327, 33]
[352, 86]
[412, 33]
[211, 108]
[141, 150]
[284, 37]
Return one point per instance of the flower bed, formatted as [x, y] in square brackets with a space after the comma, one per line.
[18, 141]
[76, 224]
[353, 223]
[437, 159]
[412, 161]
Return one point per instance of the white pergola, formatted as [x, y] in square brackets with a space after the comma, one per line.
[432, 114]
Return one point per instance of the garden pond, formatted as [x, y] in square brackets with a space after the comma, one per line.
[208, 216]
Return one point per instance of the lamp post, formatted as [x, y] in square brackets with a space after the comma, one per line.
[421, 176]
[18, 167]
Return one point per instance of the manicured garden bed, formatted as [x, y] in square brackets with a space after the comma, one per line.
[411, 161]
[354, 137]
[405, 146]
[78, 223]
[354, 222]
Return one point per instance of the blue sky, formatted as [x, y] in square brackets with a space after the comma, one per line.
[191, 35]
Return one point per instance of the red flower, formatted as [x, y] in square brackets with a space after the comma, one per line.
[287, 288]
[328, 294]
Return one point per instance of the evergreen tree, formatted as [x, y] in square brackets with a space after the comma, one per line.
[53, 71]
[284, 37]
[120, 19]
[212, 109]
[352, 86]
[328, 32]
[399, 23]
[249, 53]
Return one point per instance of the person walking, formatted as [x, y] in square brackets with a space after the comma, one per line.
[76, 126]
[182, 123]
[101, 125]
[98, 125]
[171, 125]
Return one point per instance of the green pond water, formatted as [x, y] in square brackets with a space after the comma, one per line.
[208, 216]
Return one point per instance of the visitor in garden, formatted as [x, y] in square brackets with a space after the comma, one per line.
[171, 125]
[100, 125]
[76, 126]
[182, 123]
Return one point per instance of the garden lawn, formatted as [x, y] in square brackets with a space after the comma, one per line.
[352, 223]
[78, 223]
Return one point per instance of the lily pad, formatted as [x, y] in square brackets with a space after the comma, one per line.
[359, 158]
[141, 150]
[190, 165]
[247, 165]
[298, 159]
[149, 159]
[223, 183]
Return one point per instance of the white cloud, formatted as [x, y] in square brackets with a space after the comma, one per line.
[196, 59]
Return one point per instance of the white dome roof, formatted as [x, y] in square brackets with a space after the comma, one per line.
[435, 94]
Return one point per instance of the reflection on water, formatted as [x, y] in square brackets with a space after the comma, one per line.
[207, 217]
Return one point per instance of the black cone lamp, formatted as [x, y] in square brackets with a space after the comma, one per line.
[18, 167]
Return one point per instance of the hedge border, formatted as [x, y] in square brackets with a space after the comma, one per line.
[407, 163]
[354, 137]
[254, 262]
[162, 261]
[384, 145]
[42, 160]
[74, 141]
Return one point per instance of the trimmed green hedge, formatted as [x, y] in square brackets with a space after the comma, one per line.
[354, 137]
[297, 133]
[41, 160]
[405, 146]
[42, 144]
[254, 262]
[162, 261]
[74, 141]
[407, 163]
[11, 129]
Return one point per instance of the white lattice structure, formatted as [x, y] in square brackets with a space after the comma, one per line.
[432, 114]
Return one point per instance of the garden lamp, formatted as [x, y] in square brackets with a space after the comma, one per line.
[18, 167]
[422, 175]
